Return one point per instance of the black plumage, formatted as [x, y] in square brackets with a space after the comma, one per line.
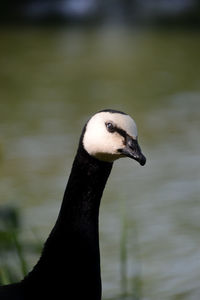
[69, 267]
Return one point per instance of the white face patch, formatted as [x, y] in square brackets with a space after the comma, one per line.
[101, 143]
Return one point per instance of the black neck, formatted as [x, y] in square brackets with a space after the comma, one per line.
[70, 262]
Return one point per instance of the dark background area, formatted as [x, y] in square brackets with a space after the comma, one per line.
[162, 12]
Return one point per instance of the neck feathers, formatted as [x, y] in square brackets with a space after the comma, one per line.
[70, 262]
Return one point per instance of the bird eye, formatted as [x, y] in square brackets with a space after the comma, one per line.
[110, 127]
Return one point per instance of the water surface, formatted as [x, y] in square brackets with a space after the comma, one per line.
[51, 81]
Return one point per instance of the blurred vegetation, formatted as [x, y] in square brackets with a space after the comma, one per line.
[10, 243]
[12, 247]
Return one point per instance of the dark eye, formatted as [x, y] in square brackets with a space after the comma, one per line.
[110, 127]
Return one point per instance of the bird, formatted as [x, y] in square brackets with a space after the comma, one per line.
[69, 266]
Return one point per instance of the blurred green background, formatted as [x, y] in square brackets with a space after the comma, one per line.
[52, 79]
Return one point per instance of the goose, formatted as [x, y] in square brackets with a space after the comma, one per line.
[69, 266]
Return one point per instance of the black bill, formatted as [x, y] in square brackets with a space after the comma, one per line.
[133, 150]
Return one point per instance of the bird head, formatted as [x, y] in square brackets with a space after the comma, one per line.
[110, 135]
